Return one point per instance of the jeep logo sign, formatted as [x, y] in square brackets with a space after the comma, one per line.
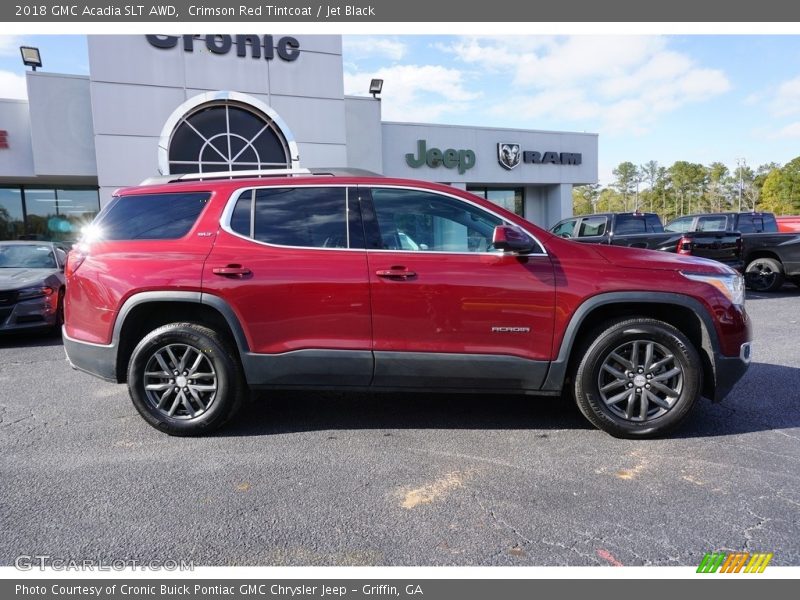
[463, 160]
[287, 47]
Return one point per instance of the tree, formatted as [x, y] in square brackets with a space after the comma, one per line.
[584, 199]
[610, 200]
[717, 179]
[780, 192]
[627, 176]
[688, 180]
[649, 174]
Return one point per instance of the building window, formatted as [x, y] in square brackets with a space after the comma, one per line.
[12, 218]
[509, 198]
[39, 213]
[227, 136]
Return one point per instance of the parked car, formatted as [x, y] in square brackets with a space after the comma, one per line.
[644, 230]
[789, 223]
[769, 256]
[193, 292]
[31, 285]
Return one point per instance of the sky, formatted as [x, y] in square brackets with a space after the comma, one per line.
[700, 98]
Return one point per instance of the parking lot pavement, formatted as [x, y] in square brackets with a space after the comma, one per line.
[363, 479]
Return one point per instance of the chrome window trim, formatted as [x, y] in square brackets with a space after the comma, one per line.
[459, 198]
[227, 213]
[225, 218]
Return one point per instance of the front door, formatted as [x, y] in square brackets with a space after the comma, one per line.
[449, 311]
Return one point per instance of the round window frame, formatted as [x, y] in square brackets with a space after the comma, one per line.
[195, 103]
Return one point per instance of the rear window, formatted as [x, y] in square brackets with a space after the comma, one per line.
[629, 224]
[151, 216]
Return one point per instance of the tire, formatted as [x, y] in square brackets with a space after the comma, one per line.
[207, 391]
[764, 275]
[613, 378]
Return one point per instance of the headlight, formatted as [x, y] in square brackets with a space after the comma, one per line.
[732, 286]
[34, 292]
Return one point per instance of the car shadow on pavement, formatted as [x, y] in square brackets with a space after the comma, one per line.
[787, 291]
[296, 411]
[765, 399]
[32, 339]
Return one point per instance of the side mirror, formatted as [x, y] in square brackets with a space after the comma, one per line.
[511, 239]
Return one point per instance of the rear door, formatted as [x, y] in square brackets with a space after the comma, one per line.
[291, 263]
[448, 310]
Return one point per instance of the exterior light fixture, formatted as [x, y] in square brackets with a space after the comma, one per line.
[375, 87]
[30, 56]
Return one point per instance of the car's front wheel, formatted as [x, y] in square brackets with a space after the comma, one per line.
[183, 379]
[637, 378]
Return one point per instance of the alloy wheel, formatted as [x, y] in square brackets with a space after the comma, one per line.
[180, 381]
[640, 380]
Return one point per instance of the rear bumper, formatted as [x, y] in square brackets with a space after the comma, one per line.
[729, 370]
[96, 359]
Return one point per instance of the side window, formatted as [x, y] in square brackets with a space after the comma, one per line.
[629, 224]
[746, 224]
[592, 226]
[565, 228]
[712, 223]
[151, 216]
[681, 225]
[653, 224]
[308, 217]
[423, 221]
[770, 224]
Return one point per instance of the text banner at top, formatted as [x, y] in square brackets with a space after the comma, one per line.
[496, 11]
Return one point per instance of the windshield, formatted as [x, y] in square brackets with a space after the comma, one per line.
[23, 256]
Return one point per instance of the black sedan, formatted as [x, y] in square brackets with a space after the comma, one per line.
[31, 285]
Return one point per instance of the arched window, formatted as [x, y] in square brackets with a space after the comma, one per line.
[227, 135]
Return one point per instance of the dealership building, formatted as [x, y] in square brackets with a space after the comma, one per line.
[176, 104]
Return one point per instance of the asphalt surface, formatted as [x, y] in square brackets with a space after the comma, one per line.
[346, 479]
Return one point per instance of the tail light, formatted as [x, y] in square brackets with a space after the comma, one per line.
[684, 245]
[75, 259]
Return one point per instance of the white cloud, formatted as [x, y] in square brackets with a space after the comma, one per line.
[785, 99]
[419, 93]
[622, 83]
[13, 86]
[9, 45]
[359, 46]
[792, 130]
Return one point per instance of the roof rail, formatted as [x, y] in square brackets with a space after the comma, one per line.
[256, 173]
[224, 175]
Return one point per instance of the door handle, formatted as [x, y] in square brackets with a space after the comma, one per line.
[400, 273]
[231, 271]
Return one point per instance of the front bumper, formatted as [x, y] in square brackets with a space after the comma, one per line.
[730, 369]
[96, 359]
[35, 313]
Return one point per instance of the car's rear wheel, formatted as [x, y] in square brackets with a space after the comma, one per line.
[764, 275]
[183, 379]
[638, 378]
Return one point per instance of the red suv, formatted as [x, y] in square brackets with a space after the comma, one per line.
[195, 291]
